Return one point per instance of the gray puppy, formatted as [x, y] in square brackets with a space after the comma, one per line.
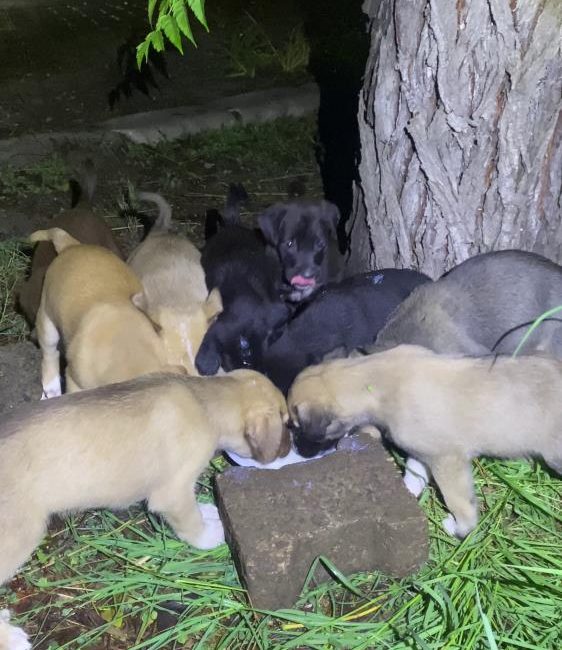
[483, 305]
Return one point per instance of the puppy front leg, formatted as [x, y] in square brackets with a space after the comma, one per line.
[48, 337]
[416, 476]
[197, 524]
[453, 475]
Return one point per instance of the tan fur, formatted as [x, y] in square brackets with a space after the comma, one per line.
[82, 224]
[149, 438]
[442, 410]
[175, 292]
[86, 301]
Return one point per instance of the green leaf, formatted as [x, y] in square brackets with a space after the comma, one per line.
[157, 39]
[151, 6]
[180, 14]
[169, 26]
[198, 8]
[143, 48]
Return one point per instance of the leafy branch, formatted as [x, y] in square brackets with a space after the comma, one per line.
[172, 22]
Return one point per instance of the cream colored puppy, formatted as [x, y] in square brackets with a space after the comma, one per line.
[87, 301]
[12, 637]
[175, 293]
[149, 438]
[443, 410]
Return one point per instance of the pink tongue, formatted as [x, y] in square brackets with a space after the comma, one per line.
[301, 281]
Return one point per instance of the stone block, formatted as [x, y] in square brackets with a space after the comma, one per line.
[349, 506]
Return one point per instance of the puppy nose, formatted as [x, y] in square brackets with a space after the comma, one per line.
[308, 273]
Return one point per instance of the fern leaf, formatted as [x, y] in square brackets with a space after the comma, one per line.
[179, 12]
[167, 23]
[198, 8]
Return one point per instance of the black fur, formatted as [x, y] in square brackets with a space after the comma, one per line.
[303, 233]
[341, 316]
[248, 275]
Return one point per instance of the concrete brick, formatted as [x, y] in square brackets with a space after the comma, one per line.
[349, 506]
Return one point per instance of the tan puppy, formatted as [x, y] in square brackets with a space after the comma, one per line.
[175, 293]
[442, 410]
[87, 301]
[149, 438]
[84, 225]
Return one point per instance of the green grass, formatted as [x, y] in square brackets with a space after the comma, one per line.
[284, 146]
[13, 264]
[100, 578]
[47, 175]
[501, 587]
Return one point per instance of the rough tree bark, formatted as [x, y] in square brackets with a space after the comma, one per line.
[461, 132]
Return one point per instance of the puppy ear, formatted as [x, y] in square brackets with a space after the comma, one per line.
[331, 216]
[268, 436]
[270, 223]
[140, 302]
[213, 305]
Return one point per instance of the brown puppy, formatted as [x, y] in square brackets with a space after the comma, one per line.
[87, 301]
[149, 438]
[85, 226]
[175, 293]
[443, 410]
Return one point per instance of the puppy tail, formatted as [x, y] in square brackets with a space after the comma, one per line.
[235, 199]
[213, 221]
[59, 237]
[84, 189]
[164, 220]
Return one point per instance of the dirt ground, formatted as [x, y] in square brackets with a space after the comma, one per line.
[59, 60]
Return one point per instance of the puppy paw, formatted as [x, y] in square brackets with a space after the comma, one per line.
[415, 477]
[450, 525]
[213, 531]
[52, 389]
[11, 637]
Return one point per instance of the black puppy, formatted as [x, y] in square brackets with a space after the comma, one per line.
[341, 316]
[248, 275]
[303, 233]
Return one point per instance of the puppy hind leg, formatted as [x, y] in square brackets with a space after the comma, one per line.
[453, 476]
[197, 524]
[21, 535]
[49, 337]
[71, 386]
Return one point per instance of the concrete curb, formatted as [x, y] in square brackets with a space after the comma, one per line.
[172, 123]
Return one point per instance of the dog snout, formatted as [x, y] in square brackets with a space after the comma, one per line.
[307, 446]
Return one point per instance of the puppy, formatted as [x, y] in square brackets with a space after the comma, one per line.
[87, 301]
[11, 637]
[175, 295]
[443, 410]
[340, 316]
[149, 438]
[484, 304]
[248, 276]
[303, 234]
[80, 222]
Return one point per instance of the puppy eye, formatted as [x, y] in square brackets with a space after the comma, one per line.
[244, 343]
[289, 243]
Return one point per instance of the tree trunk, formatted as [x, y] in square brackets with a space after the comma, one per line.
[461, 133]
